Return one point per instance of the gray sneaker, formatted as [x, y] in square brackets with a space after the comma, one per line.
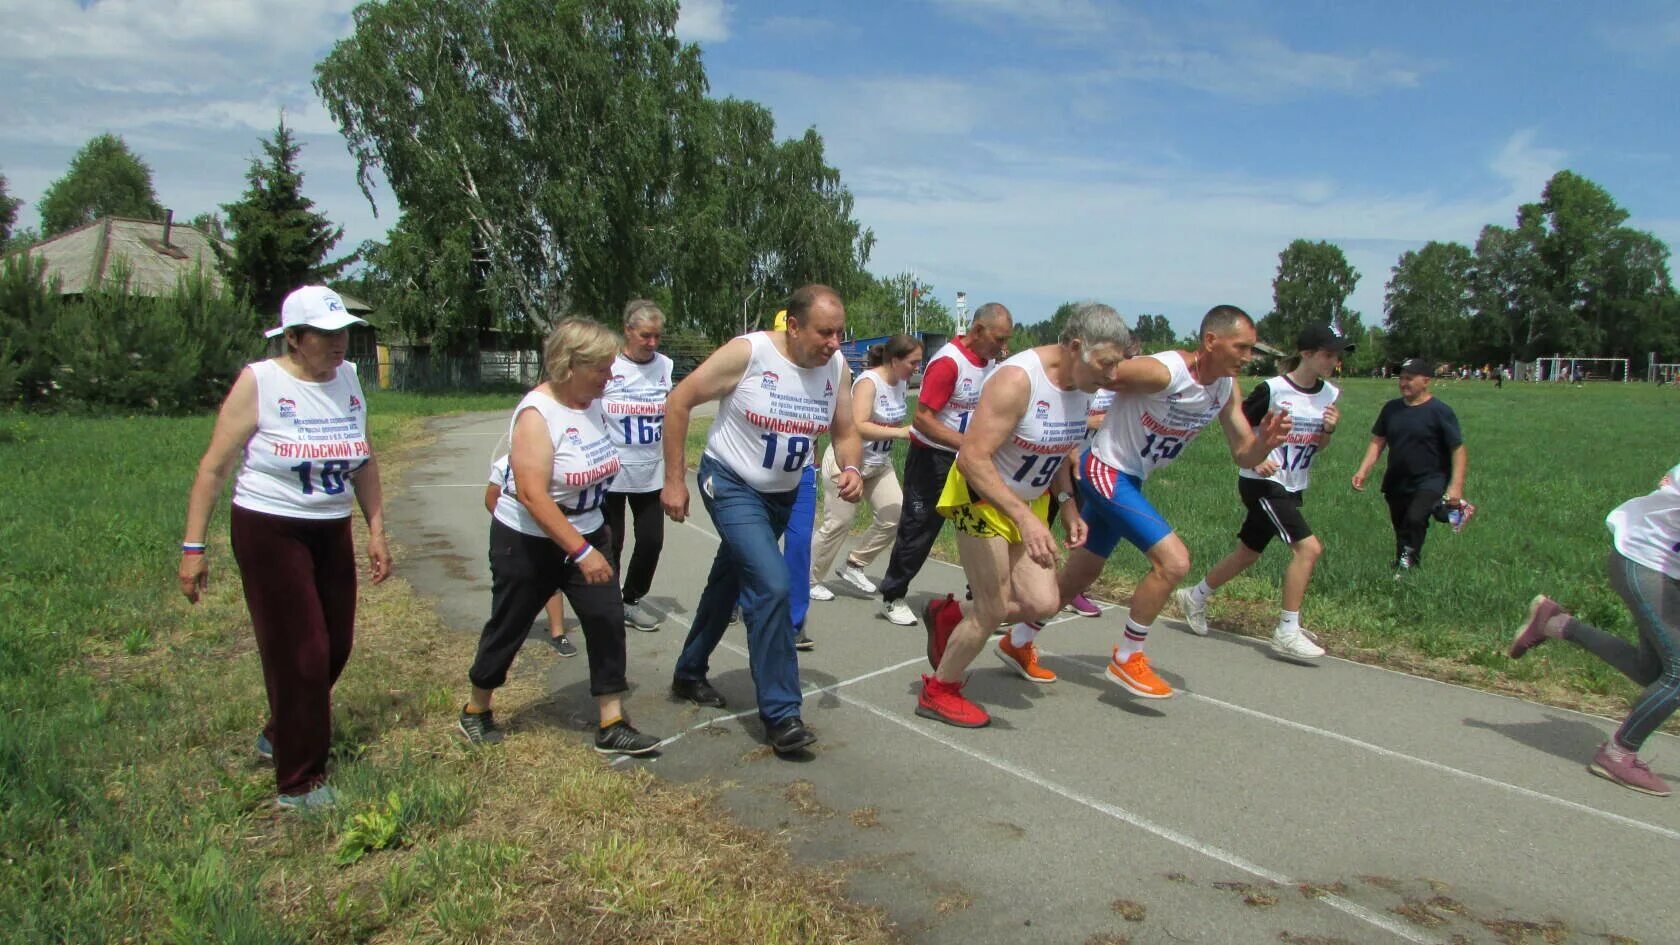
[479, 728]
[853, 575]
[1194, 614]
[563, 645]
[265, 748]
[639, 616]
[321, 797]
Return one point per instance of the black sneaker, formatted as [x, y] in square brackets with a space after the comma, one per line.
[479, 728]
[697, 691]
[788, 736]
[563, 645]
[804, 642]
[621, 738]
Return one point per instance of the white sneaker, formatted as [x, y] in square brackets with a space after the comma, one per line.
[1295, 645]
[898, 612]
[637, 615]
[856, 578]
[1194, 614]
[821, 592]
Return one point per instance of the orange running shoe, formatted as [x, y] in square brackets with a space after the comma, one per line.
[1023, 660]
[945, 702]
[1136, 676]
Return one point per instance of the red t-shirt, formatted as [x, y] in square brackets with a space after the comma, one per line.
[940, 379]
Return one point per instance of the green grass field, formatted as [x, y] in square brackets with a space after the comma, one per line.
[1547, 464]
[132, 808]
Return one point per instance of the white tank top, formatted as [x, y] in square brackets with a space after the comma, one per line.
[1306, 437]
[635, 404]
[1145, 432]
[1050, 429]
[311, 438]
[767, 427]
[1100, 402]
[888, 408]
[585, 461]
[965, 393]
[1647, 529]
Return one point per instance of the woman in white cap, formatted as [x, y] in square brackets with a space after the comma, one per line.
[299, 422]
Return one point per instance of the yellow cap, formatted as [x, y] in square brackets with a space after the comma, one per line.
[781, 321]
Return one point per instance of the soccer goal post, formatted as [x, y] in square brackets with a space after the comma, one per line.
[1562, 368]
[1661, 372]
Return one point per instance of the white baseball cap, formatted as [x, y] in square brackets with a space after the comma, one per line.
[313, 306]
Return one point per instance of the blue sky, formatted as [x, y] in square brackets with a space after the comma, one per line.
[1156, 156]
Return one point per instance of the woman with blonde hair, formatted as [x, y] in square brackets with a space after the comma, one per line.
[548, 534]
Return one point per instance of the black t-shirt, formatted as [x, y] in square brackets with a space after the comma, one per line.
[1421, 440]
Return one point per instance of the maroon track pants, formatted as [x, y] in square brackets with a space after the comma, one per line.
[300, 585]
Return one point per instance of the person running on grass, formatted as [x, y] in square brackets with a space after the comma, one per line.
[778, 392]
[1644, 568]
[1029, 422]
[1163, 401]
[945, 403]
[635, 405]
[547, 535]
[879, 397]
[1274, 490]
[556, 606]
[1426, 462]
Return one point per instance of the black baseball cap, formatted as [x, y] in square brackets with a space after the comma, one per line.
[1322, 338]
[1422, 366]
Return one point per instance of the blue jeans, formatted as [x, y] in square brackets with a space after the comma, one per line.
[748, 568]
[796, 546]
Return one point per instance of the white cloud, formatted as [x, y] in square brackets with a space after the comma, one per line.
[703, 21]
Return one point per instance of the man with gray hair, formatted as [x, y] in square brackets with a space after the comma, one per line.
[944, 406]
[1029, 421]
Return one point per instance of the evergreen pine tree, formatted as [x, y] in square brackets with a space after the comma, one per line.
[279, 242]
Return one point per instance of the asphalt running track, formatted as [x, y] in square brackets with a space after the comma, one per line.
[1266, 802]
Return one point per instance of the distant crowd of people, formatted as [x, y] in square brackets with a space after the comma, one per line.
[1003, 446]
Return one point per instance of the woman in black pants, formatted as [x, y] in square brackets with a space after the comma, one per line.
[635, 405]
[1644, 569]
[548, 534]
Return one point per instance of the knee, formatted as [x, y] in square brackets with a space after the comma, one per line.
[1040, 607]
[1173, 567]
[1309, 548]
[887, 516]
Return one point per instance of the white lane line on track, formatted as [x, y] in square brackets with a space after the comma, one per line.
[720, 719]
[1530, 793]
[1186, 841]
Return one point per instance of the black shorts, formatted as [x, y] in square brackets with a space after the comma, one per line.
[1273, 512]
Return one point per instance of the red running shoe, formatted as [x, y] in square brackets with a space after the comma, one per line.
[944, 702]
[940, 617]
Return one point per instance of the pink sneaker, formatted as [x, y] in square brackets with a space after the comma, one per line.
[1082, 606]
[1533, 631]
[1629, 772]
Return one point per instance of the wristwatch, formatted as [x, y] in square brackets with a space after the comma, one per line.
[1064, 497]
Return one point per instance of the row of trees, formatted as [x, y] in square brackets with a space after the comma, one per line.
[548, 160]
[1570, 277]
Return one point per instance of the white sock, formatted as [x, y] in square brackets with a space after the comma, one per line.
[1132, 641]
[1023, 633]
[1201, 592]
[1289, 622]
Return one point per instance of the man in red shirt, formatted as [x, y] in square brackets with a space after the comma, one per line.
[950, 391]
